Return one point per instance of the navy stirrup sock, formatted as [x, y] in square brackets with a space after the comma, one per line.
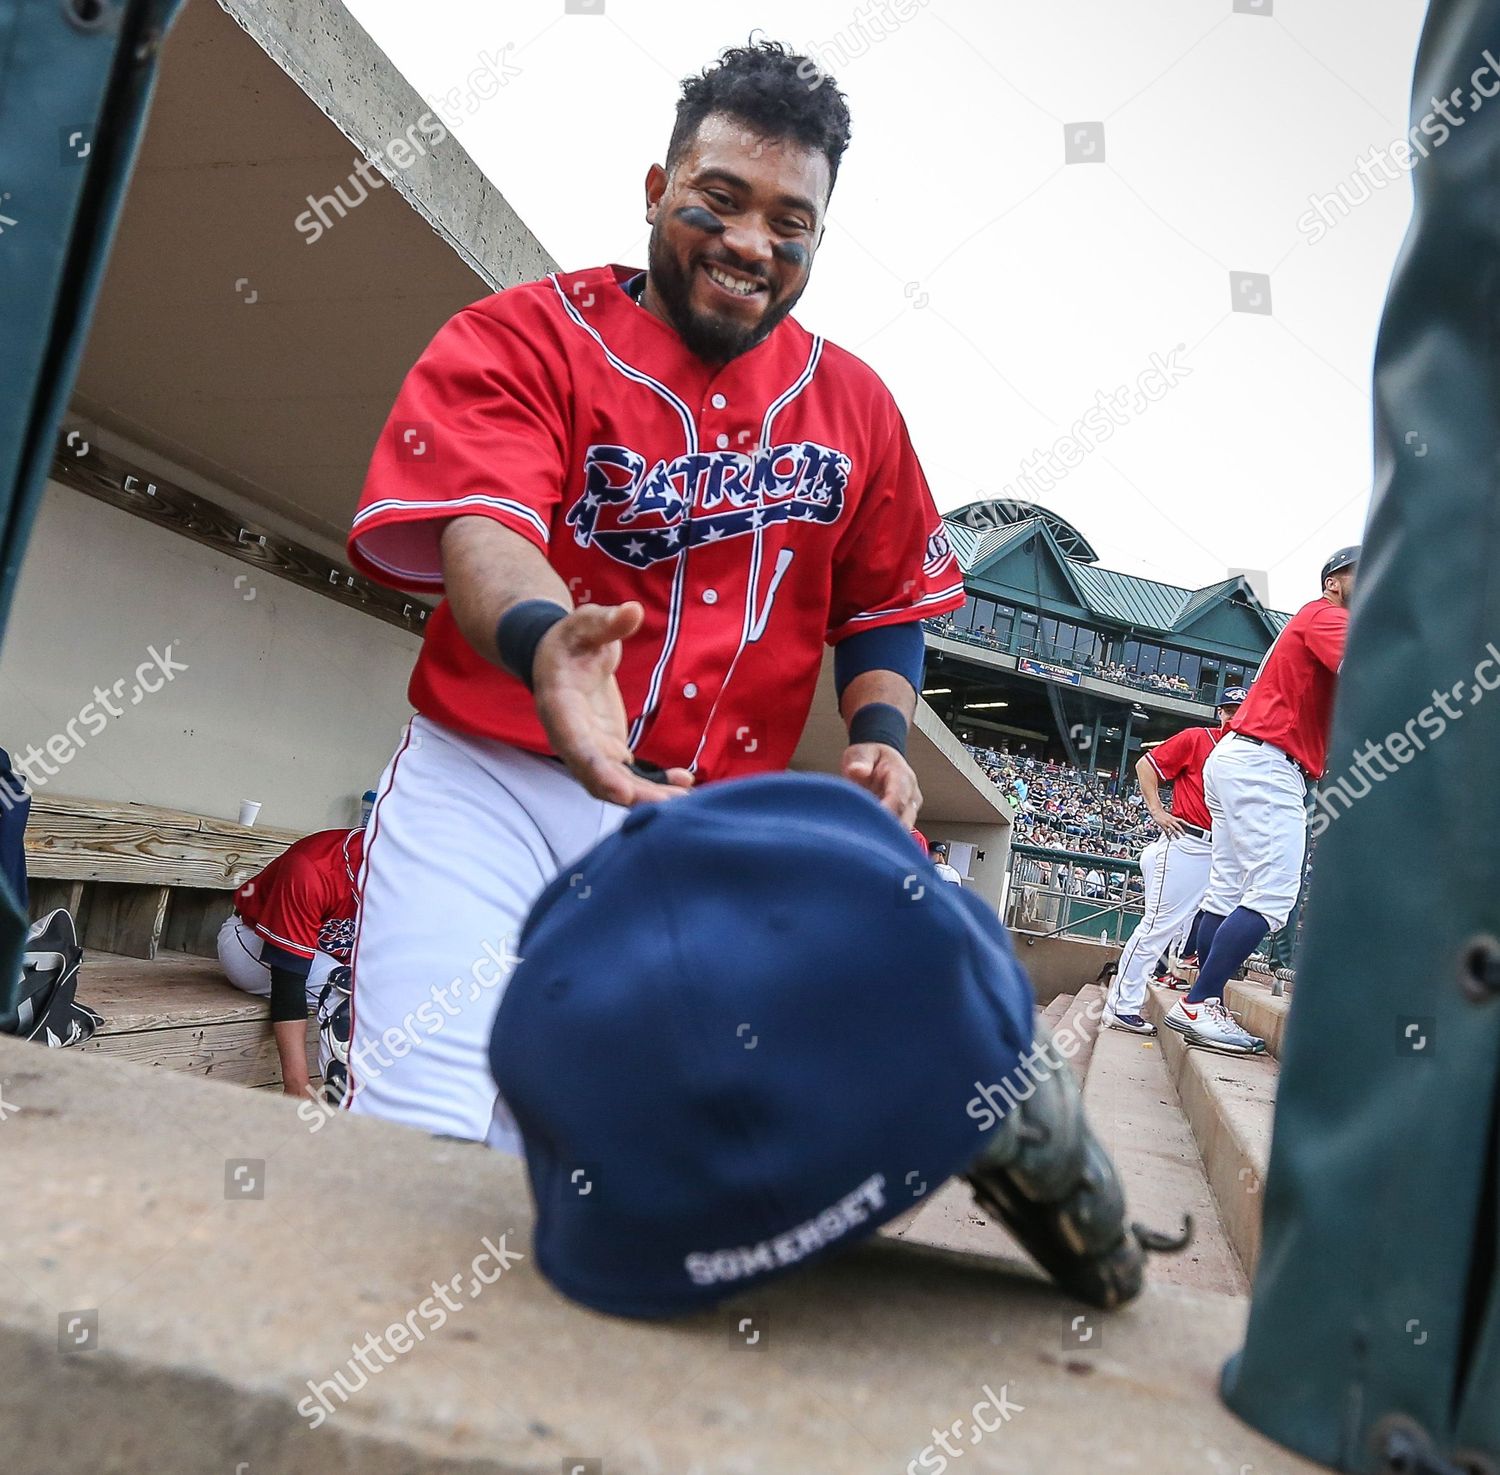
[1231, 942]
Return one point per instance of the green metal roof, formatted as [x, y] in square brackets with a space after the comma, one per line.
[1127, 599]
[1202, 598]
[1130, 599]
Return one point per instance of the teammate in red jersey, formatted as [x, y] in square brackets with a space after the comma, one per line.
[1255, 783]
[292, 926]
[650, 499]
[1174, 866]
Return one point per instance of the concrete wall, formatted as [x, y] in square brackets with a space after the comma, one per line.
[987, 876]
[289, 698]
[1060, 965]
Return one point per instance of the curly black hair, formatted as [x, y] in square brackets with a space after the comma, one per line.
[776, 92]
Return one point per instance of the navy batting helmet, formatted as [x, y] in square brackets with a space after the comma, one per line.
[1344, 558]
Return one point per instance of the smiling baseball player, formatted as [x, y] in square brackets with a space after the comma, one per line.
[1174, 866]
[650, 498]
[1255, 785]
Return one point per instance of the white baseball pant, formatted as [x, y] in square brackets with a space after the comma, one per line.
[464, 835]
[1258, 799]
[239, 953]
[1175, 873]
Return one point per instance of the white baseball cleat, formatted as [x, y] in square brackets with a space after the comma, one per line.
[1212, 1027]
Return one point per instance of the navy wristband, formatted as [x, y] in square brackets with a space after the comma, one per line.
[879, 722]
[520, 631]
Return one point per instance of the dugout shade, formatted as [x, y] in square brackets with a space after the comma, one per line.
[75, 82]
[1374, 1334]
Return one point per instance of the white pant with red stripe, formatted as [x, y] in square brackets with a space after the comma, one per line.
[239, 952]
[464, 835]
[1175, 873]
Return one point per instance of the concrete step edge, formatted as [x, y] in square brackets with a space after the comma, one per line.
[1055, 1010]
[1229, 1102]
[1259, 1010]
[186, 1356]
[1081, 1019]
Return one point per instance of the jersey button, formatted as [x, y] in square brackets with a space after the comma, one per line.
[722, 440]
[718, 402]
[690, 691]
[710, 596]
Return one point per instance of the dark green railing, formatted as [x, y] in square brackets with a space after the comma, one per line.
[1042, 907]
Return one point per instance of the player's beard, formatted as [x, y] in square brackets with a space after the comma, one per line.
[714, 339]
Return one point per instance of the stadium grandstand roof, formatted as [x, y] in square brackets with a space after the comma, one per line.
[1126, 598]
[980, 520]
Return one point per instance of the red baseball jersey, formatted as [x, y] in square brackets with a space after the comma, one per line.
[756, 510]
[1179, 761]
[1291, 700]
[305, 900]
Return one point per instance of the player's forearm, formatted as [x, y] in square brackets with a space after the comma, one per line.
[487, 568]
[291, 1050]
[878, 686]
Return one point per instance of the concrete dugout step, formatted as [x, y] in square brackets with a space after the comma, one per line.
[1134, 1110]
[191, 1360]
[1230, 1102]
[1259, 1010]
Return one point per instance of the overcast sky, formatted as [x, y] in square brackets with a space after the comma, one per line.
[999, 288]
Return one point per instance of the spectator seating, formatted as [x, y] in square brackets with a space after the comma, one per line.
[1060, 806]
[1171, 686]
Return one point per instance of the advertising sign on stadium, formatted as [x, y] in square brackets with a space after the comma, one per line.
[1047, 672]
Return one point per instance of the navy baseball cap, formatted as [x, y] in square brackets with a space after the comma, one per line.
[1233, 696]
[747, 1029]
[1343, 559]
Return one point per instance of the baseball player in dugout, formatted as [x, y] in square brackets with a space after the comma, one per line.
[649, 499]
[291, 933]
[1174, 866]
[1255, 785]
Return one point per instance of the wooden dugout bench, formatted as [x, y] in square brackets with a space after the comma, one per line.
[149, 889]
[137, 878]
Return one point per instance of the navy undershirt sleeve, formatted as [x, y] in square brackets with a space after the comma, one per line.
[898, 648]
[276, 957]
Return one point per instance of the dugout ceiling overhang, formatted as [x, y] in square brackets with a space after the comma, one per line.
[228, 341]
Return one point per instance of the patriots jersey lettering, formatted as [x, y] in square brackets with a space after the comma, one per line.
[639, 516]
[757, 511]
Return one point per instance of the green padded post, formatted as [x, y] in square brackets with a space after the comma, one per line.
[75, 81]
[1375, 1319]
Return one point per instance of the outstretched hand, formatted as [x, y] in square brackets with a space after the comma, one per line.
[578, 701]
[883, 772]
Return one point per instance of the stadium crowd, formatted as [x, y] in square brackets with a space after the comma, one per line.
[1061, 806]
